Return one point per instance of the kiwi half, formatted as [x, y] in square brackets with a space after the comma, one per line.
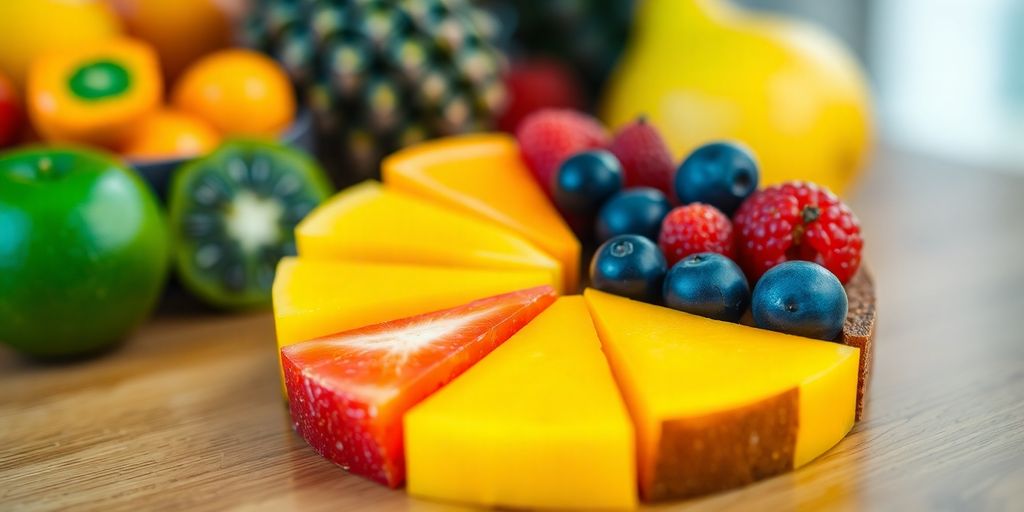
[233, 214]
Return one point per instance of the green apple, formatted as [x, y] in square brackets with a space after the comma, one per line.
[83, 251]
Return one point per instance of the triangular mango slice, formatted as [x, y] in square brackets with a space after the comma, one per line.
[369, 222]
[718, 405]
[315, 298]
[349, 390]
[539, 423]
[484, 175]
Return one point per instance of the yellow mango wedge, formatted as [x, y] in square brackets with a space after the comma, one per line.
[314, 298]
[538, 423]
[483, 175]
[370, 222]
[717, 405]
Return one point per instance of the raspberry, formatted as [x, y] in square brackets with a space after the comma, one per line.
[645, 156]
[695, 228]
[547, 137]
[797, 221]
[536, 84]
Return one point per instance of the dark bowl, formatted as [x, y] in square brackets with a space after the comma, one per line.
[158, 172]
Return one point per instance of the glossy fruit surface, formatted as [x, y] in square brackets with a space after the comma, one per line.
[791, 93]
[239, 92]
[645, 157]
[233, 216]
[586, 180]
[630, 266]
[693, 229]
[182, 31]
[802, 298]
[83, 251]
[548, 137]
[637, 211]
[11, 114]
[797, 221]
[707, 284]
[349, 391]
[31, 28]
[170, 134]
[722, 174]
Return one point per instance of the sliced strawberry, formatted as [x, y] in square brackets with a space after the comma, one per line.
[348, 391]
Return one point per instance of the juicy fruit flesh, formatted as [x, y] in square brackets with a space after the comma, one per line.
[370, 222]
[348, 391]
[538, 423]
[314, 298]
[485, 175]
[234, 214]
[672, 366]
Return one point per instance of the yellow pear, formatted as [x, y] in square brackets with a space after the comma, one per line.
[704, 70]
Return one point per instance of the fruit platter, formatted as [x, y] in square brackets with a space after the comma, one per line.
[439, 255]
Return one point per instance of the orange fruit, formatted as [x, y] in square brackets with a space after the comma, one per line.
[167, 134]
[182, 31]
[239, 92]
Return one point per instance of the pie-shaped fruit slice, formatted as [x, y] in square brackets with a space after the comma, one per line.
[538, 423]
[349, 391]
[484, 175]
[718, 405]
[315, 298]
[370, 222]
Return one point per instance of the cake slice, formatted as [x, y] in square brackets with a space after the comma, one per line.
[717, 405]
[349, 391]
[539, 423]
[484, 175]
[370, 222]
[317, 297]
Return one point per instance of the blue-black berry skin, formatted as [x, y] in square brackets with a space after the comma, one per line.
[586, 180]
[707, 284]
[721, 174]
[802, 298]
[635, 211]
[630, 266]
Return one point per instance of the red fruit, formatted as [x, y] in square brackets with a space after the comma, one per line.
[10, 113]
[695, 228]
[349, 391]
[797, 221]
[537, 84]
[549, 136]
[645, 157]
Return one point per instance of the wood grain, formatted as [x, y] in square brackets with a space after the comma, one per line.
[187, 414]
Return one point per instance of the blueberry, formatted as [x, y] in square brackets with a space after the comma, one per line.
[802, 298]
[586, 180]
[637, 211]
[707, 284]
[721, 174]
[628, 265]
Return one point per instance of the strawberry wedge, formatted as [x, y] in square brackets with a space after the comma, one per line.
[349, 391]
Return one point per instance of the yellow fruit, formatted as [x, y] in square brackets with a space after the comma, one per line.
[538, 423]
[182, 31]
[484, 175]
[717, 405]
[167, 134]
[703, 70]
[239, 92]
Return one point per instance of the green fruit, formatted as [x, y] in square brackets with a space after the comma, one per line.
[233, 216]
[379, 74]
[83, 251]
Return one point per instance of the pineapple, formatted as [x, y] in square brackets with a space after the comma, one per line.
[382, 74]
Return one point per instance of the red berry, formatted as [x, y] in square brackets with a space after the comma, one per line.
[549, 136]
[536, 84]
[645, 156]
[797, 221]
[695, 228]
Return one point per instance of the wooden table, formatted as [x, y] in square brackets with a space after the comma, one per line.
[187, 415]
